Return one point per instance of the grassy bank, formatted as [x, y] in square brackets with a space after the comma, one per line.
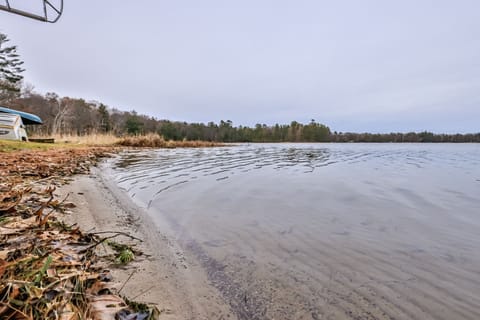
[12, 146]
[60, 144]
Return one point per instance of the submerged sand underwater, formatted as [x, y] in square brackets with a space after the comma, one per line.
[321, 231]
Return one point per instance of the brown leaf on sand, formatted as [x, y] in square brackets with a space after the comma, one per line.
[3, 265]
[105, 307]
[9, 201]
[48, 270]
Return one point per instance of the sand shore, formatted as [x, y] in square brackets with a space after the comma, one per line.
[164, 274]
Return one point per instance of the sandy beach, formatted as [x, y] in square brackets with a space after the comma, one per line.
[164, 275]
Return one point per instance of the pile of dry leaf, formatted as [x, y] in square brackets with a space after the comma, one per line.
[48, 269]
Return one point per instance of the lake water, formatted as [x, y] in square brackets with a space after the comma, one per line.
[322, 231]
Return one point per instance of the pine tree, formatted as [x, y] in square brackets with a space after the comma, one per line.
[10, 70]
[105, 124]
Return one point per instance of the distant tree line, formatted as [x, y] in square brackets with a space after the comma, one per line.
[69, 116]
[424, 136]
[64, 115]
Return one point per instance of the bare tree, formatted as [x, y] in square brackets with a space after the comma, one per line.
[60, 109]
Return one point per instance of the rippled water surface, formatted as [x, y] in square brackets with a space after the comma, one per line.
[323, 231]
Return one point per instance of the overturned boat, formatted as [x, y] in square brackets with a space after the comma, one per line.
[27, 118]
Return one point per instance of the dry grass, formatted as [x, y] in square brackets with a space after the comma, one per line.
[157, 141]
[96, 139]
[150, 140]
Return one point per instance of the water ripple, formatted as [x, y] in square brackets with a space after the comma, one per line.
[138, 169]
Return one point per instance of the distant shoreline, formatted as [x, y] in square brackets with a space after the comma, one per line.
[367, 142]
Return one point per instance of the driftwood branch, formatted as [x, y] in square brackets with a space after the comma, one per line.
[116, 234]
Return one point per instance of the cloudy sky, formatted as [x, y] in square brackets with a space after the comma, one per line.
[368, 65]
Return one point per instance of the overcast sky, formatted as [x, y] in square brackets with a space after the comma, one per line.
[377, 66]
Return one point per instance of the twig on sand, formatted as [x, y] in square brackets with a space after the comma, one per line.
[128, 279]
[35, 182]
[117, 233]
[144, 291]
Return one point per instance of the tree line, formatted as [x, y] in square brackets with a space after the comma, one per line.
[64, 115]
[73, 116]
[411, 137]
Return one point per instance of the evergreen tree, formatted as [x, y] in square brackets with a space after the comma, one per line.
[105, 125]
[10, 71]
[133, 125]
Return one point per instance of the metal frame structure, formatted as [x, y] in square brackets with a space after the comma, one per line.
[47, 7]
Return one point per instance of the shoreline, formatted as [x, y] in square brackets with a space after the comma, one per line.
[378, 263]
[164, 274]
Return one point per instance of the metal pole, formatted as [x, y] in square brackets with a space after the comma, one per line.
[34, 16]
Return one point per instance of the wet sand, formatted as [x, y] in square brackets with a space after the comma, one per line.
[345, 263]
[164, 275]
